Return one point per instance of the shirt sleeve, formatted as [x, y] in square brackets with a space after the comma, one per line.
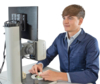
[68, 78]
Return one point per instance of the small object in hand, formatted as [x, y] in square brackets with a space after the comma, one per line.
[34, 76]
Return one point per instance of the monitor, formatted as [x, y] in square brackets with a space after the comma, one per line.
[31, 25]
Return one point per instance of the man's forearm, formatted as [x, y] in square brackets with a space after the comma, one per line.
[62, 76]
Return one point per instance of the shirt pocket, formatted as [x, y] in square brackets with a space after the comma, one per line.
[79, 52]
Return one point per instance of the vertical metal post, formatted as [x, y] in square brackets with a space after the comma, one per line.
[13, 54]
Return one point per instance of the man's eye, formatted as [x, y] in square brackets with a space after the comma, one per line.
[63, 18]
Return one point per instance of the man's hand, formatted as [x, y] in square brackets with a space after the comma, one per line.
[36, 68]
[54, 76]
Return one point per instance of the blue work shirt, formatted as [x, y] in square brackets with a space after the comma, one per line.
[81, 61]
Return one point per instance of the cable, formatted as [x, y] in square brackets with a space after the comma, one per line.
[3, 60]
[3, 57]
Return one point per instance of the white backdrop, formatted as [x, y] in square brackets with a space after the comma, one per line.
[50, 21]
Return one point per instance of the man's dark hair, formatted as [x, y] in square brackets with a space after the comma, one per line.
[74, 10]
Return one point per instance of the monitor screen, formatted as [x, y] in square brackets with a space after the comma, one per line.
[31, 30]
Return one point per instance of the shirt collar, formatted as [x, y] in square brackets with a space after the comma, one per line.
[66, 35]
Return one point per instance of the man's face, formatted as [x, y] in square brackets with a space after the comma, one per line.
[71, 23]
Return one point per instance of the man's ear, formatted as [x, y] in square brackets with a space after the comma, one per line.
[80, 21]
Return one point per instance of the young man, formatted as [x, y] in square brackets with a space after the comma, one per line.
[78, 51]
